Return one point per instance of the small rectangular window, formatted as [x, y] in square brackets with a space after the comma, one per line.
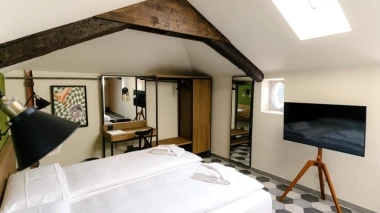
[272, 96]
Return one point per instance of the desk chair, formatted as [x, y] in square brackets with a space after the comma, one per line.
[144, 136]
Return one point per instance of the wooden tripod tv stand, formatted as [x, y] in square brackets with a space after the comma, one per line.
[139, 114]
[321, 167]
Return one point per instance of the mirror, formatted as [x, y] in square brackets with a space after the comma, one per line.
[241, 120]
[123, 99]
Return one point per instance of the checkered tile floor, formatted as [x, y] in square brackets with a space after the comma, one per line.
[240, 154]
[297, 201]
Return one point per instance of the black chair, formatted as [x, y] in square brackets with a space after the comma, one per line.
[144, 136]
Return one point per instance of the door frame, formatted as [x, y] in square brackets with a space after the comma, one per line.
[235, 102]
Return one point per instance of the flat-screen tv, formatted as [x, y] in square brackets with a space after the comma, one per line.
[139, 98]
[336, 127]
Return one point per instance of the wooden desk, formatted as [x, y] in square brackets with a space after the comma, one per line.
[124, 131]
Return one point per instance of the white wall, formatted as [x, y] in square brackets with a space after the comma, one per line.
[129, 108]
[106, 92]
[355, 178]
[221, 115]
[116, 103]
[167, 108]
[85, 141]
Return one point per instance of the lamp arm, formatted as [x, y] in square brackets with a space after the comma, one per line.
[33, 94]
[2, 134]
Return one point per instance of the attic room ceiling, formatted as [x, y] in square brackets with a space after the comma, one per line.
[175, 18]
[260, 32]
[256, 28]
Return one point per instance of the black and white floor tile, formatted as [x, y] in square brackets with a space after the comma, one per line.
[240, 153]
[297, 201]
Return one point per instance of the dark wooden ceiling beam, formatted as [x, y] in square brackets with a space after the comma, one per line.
[48, 41]
[176, 18]
[232, 54]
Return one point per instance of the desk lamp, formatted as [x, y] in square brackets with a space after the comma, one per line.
[34, 133]
[40, 102]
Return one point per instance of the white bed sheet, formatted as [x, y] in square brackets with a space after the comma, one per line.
[92, 176]
[33, 187]
[170, 192]
[256, 202]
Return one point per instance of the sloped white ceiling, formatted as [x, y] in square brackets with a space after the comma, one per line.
[205, 60]
[260, 32]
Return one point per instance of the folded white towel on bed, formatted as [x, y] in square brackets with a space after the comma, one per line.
[215, 173]
[171, 149]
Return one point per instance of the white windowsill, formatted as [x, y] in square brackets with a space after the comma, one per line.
[273, 112]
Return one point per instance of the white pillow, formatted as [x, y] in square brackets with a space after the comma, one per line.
[34, 187]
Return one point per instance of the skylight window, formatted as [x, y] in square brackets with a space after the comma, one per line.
[313, 18]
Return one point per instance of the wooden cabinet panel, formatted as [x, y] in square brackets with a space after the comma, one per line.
[201, 115]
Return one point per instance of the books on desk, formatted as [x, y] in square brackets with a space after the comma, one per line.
[116, 132]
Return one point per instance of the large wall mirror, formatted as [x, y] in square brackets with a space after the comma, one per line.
[241, 120]
[123, 98]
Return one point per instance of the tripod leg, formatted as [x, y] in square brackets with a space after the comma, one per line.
[329, 182]
[302, 172]
[321, 183]
[142, 113]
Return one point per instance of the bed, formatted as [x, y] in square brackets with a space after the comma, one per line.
[92, 187]
[331, 133]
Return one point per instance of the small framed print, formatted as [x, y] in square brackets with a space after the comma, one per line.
[70, 103]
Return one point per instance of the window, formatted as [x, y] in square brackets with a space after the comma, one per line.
[272, 96]
[313, 18]
[277, 95]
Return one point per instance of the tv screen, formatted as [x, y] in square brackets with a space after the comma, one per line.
[336, 127]
[139, 99]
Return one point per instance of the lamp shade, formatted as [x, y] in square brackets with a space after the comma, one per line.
[36, 133]
[41, 103]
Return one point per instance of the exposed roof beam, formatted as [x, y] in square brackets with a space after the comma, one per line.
[177, 18]
[48, 41]
[231, 53]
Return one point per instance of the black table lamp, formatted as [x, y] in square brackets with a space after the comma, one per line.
[34, 133]
[40, 102]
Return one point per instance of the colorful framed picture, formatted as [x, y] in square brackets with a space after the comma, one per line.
[70, 103]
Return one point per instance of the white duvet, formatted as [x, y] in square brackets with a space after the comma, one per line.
[170, 192]
[92, 176]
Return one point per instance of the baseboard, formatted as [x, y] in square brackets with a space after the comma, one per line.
[303, 188]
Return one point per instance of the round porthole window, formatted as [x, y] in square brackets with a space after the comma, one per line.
[278, 95]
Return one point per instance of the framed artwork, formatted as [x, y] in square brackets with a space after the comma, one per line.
[70, 103]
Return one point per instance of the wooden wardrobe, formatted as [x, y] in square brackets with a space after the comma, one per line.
[194, 113]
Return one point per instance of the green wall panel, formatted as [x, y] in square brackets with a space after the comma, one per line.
[246, 99]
